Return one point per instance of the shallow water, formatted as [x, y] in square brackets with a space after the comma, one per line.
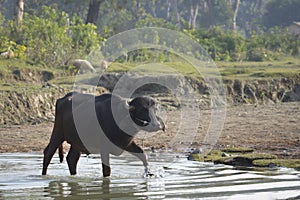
[174, 179]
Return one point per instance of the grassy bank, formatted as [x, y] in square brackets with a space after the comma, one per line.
[260, 70]
[288, 67]
[16, 75]
[245, 157]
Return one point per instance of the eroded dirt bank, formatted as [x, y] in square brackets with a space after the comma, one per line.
[23, 107]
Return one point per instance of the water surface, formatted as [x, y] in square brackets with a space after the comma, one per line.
[174, 179]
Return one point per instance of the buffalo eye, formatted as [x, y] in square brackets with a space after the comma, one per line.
[131, 108]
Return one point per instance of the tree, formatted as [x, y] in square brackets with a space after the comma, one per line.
[281, 13]
[93, 11]
[216, 13]
[1, 6]
[19, 11]
[168, 2]
[153, 8]
[194, 8]
[250, 13]
[177, 13]
[235, 7]
[172, 6]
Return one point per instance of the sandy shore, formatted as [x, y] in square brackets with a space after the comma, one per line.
[273, 128]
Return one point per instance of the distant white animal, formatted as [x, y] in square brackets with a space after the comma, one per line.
[104, 64]
[83, 66]
[7, 54]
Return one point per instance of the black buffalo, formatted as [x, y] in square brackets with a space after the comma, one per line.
[104, 124]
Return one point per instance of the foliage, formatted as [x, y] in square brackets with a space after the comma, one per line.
[219, 13]
[8, 45]
[249, 16]
[272, 44]
[45, 37]
[220, 44]
[226, 45]
[53, 37]
[150, 21]
[281, 13]
[50, 37]
[84, 37]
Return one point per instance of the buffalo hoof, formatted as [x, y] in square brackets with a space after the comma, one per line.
[148, 173]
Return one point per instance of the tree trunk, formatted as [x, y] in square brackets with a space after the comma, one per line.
[194, 8]
[173, 7]
[235, 7]
[153, 8]
[211, 12]
[19, 11]
[191, 16]
[195, 16]
[93, 12]
[168, 9]
[177, 13]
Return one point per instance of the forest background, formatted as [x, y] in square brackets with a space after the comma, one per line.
[52, 33]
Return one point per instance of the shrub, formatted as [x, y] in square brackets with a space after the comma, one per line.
[221, 44]
[51, 38]
[259, 55]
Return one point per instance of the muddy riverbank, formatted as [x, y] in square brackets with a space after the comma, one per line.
[272, 128]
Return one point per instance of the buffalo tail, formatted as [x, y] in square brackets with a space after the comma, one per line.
[61, 153]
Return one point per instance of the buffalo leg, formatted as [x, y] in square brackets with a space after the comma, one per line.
[72, 160]
[137, 151]
[48, 154]
[105, 164]
[55, 141]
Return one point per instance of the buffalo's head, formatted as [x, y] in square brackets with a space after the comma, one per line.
[142, 112]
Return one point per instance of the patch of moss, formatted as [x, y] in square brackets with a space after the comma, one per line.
[210, 157]
[242, 156]
[196, 157]
[258, 156]
[213, 155]
[244, 159]
[289, 163]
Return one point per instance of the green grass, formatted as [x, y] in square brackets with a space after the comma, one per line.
[289, 67]
[8, 82]
[154, 68]
[258, 70]
[243, 153]
[228, 70]
[290, 163]
[18, 87]
[120, 67]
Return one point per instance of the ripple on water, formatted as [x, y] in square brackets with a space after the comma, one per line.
[180, 179]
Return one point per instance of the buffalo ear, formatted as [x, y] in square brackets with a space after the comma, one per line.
[129, 107]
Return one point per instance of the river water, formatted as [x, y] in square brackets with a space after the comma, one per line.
[174, 179]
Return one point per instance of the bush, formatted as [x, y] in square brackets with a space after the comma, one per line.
[224, 45]
[7, 45]
[51, 38]
[84, 37]
[275, 42]
[259, 55]
[220, 44]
